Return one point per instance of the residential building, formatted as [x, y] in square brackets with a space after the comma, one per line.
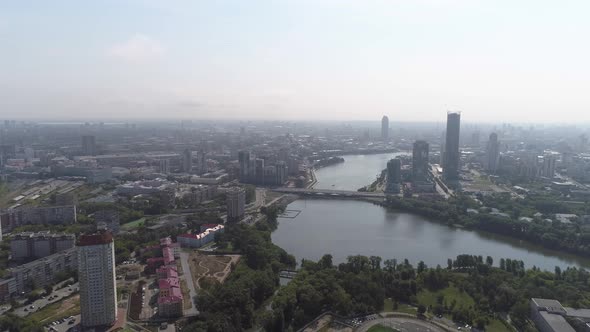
[43, 271]
[393, 176]
[89, 145]
[187, 161]
[29, 245]
[236, 203]
[420, 163]
[96, 274]
[13, 218]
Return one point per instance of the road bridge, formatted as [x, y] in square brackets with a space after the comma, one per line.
[329, 192]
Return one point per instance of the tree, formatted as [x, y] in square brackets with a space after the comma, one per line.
[449, 264]
[421, 310]
[48, 290]
[489, 260]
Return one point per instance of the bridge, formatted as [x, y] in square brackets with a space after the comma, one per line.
[329, 193]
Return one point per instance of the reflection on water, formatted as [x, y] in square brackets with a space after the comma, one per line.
[346, 227]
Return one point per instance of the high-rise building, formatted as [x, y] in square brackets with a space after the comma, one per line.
[281, 173]
[244, 160]
[452, 155]
[88, 145]
[420, 161]
[493, 153]
[259, 171]
[394, 175]
[549, 166]
[187, 161]
[236, 203]
[96, 274]
[164, 166]
[385, 128]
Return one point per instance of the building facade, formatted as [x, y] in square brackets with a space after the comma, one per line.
[236, 203]
[452, 156]
[420, 163]
[493, 153]
[96, 274]
[385, 128]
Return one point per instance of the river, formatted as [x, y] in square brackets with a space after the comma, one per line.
[347, 227]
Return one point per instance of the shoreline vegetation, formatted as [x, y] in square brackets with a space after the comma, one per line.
[463, 212]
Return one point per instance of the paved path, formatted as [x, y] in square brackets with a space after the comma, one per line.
[186, 270]
[402, 324]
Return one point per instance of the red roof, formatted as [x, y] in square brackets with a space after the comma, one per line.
[95, 239]
[168, 283]
[169, 299]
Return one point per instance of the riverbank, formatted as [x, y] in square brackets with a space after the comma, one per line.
[447, 213]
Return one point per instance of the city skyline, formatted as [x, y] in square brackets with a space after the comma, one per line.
[320, 60]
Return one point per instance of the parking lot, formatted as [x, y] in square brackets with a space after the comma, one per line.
[71, 323]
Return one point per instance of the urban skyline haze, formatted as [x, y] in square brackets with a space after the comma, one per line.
[295, 60]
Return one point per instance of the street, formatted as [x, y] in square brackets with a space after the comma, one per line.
[188, 277]
[55, 296]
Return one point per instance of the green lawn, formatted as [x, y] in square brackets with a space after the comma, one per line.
[54, 312]
[381, 328]
[134, 224]
[401, 307]
[462, 299]
[495, 326]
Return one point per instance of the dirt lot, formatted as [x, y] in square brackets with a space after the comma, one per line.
[211, 267]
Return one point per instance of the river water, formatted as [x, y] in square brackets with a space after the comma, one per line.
[347, 227]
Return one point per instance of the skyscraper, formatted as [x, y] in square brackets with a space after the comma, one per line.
[420, 161]
[385, 128]
[96, 274]
[451, 154]
[394, 175]
[493, 153]
[88, 145]
[236, 202]
[187, 161]
[244, 160]
[549, 166]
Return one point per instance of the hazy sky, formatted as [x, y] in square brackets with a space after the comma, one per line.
[526, 60]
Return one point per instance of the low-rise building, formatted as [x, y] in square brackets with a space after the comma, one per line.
[549, 316]
[199, 240]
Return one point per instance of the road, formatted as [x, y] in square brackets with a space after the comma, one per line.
[402, 324]
[41, 303]
[186, 272]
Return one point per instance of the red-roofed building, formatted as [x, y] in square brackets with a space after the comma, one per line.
[167, 271]
[167, 285]
[199, 240]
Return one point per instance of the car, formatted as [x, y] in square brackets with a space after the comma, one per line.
[71, 322]
[26, 309]
[32, 307]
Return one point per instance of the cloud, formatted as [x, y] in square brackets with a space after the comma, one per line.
[138, 48]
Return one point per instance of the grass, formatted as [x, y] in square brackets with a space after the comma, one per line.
[388, 306]
[381, 328]
[462, 299]
[55, 311]
[186, 298]
[495, 325]
[133, 224]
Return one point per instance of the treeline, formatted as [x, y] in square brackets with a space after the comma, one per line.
[360, 286]
[236, 304]
[571, 237]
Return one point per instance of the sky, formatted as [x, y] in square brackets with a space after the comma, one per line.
[495, 61]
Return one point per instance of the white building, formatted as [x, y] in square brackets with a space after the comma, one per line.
[96, 273]
[236, 202]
